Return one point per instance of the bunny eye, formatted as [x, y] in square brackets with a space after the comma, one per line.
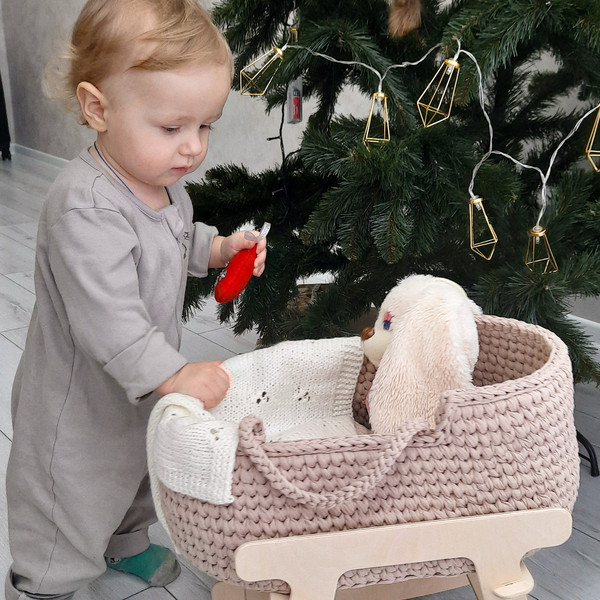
[387, 321]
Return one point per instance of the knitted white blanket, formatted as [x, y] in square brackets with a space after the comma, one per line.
[290, 386]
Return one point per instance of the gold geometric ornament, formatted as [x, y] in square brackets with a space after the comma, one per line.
[592, 150]
[377, 130]
[539, 253]
[256, 77]
[483, 238]
[435, 103]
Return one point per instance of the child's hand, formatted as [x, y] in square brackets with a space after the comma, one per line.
[207, 381]
[232, 244]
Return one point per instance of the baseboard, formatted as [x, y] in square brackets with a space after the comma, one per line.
[49, 159]
[592, 329]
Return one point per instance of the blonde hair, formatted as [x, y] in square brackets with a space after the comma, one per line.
[153, 35]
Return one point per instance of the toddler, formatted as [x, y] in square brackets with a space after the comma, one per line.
[115, 244]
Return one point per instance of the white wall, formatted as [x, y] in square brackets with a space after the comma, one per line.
[4, 72]
[32, 29]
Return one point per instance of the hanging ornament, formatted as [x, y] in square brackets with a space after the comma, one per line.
[539, 251]
[592, 150]
[256, 78]
[483, 238]
[294, 101]
[377, 130]
[435, 103]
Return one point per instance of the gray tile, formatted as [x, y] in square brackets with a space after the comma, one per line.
[238, 344]
[15, 257]
[24, 233]
[567, 572]
[586, 515]
[16, 304]
[9, 361]
[113, 586]
[191, 584]
[27, 202]
[589, 427]
[10, 216]
[205, 319]
[587, 399]
[24, 279]
[197, 348]
[16, 336]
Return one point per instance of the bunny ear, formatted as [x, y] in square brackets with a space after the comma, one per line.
[433, 349]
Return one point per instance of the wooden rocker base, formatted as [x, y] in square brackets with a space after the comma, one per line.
[312, 564]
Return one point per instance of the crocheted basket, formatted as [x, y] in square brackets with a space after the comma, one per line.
[507, 444]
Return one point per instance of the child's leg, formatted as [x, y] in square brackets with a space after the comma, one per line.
[129, 549]
[131, 537]
[69, 487]
[12, 593]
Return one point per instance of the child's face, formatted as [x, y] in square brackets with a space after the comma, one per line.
[157, 123]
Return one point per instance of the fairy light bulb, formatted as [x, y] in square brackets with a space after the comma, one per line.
[435, 103]
[539, 253]
[483, 238]
[256, 77]
[377, 130]
[592, 150]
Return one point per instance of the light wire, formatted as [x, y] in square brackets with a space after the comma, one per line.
[543, 176]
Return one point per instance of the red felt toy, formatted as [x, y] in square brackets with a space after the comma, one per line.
[239, 270]
[237, 275]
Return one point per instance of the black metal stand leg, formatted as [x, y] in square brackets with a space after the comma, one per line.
[591, 457]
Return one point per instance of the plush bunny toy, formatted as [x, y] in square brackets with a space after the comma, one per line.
[424, 342]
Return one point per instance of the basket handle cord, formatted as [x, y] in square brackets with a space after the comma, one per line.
[251, 440]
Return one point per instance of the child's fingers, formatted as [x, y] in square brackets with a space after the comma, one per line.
[228, 373]
[261, 257]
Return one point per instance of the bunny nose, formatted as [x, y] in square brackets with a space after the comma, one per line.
[366, 333]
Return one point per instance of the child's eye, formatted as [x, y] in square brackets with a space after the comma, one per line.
[207, 126]
[170, 129]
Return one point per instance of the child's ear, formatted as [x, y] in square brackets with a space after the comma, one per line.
[93, 103]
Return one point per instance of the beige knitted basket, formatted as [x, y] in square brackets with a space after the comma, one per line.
[507, 444]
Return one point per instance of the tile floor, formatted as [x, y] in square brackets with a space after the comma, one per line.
[570, 572]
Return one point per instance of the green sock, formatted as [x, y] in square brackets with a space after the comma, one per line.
[156, 565]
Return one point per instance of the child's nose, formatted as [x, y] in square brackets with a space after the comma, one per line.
[192, 146]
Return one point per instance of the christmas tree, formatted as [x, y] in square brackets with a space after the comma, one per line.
[369, 214]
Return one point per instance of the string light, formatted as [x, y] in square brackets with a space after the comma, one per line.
[538, 237]
[482, 237]
[377, 130]
[435, 105]
[256, 77]
[378, 99]
[539, 252]
[592, 151]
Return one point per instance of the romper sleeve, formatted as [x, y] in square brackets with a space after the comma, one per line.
[200, 248]
[90, 251]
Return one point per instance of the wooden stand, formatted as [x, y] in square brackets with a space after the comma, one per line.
[312, 564]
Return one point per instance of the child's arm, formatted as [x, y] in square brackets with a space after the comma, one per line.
[225, 248]
[207, 381]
